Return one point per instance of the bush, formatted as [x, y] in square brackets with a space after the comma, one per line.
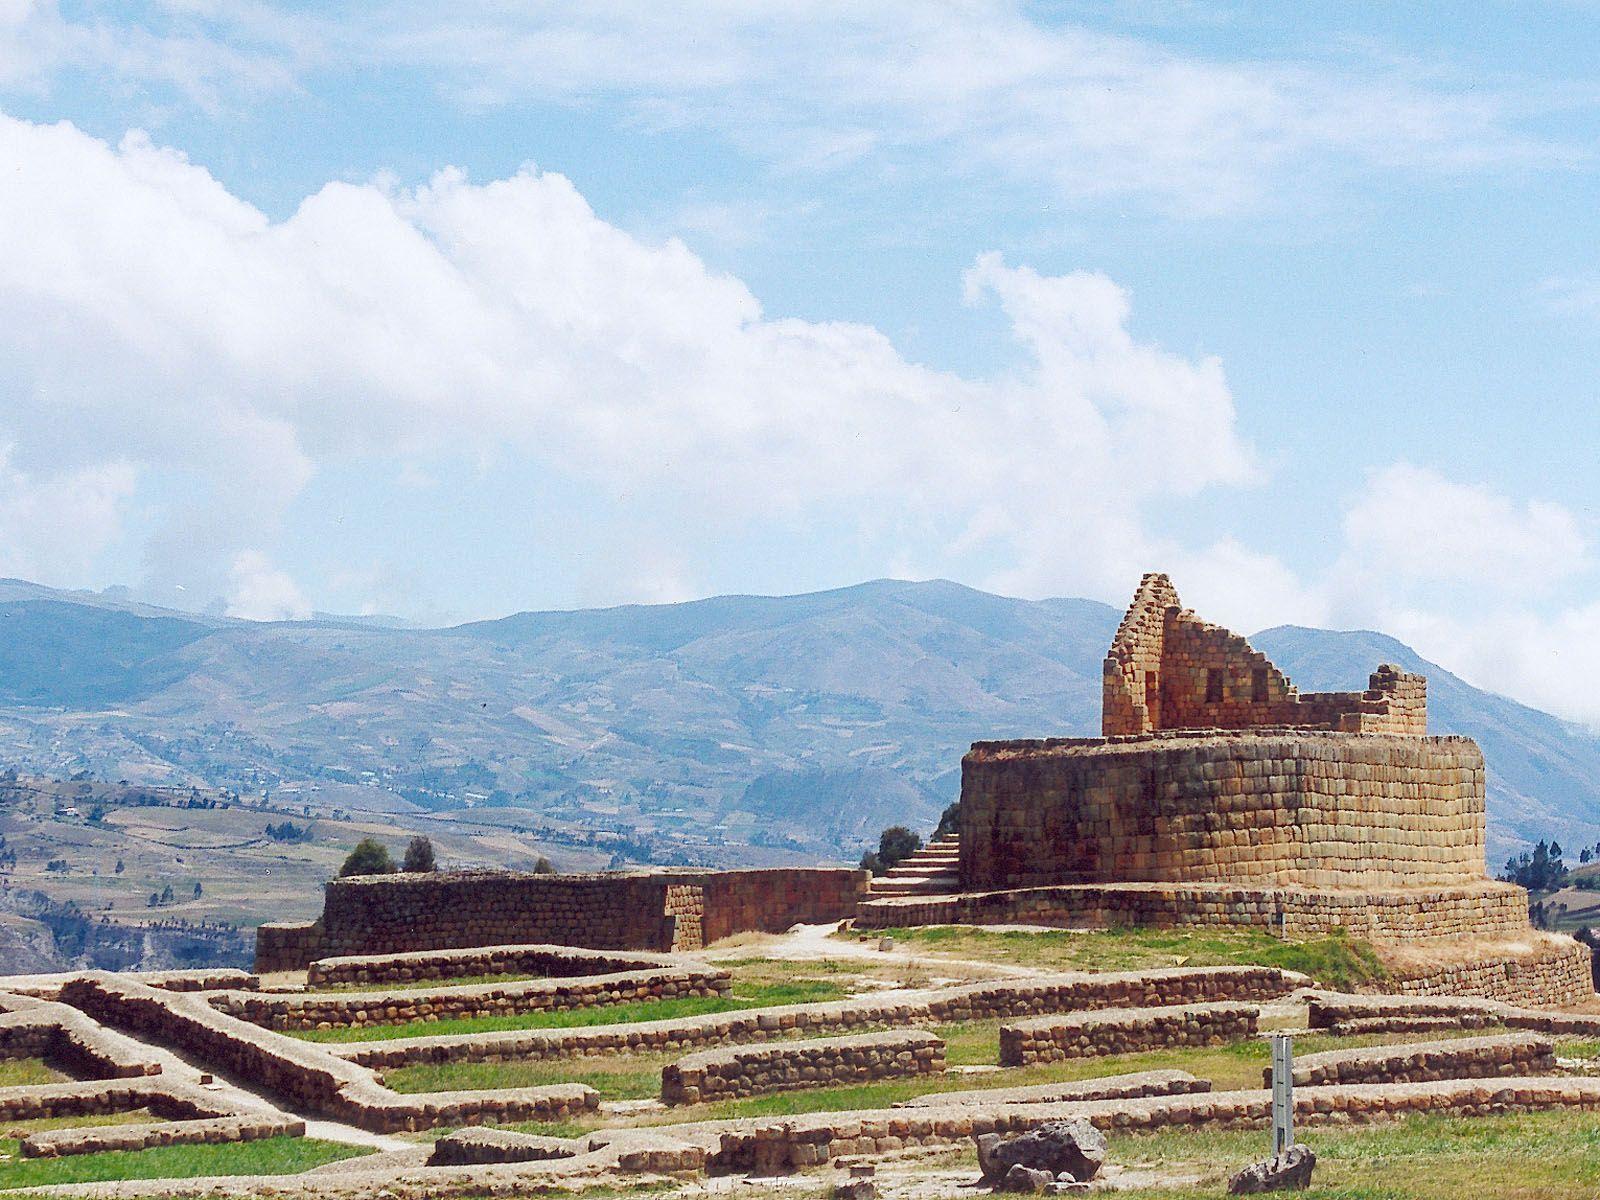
[871, 862]
[370, 857]
[542, 866]
[896, 844]
[949, 821]
[419, 855]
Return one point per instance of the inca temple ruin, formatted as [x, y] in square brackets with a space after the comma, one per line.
[456, 1029]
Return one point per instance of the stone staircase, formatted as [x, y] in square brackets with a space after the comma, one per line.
[932, 871]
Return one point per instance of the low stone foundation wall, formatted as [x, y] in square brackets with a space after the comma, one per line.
[1557, 973]
[1424, 1062]
[755, 1070]
[66, 1039]
[355, 1009]
[1123, 1031]
[1346, 1015]
[1479, 910]
[307, 1075]
[553, 962]
[895, 1010]
[1105, 1087]
[97, 1097]
[58, 1143]
[477, 1147]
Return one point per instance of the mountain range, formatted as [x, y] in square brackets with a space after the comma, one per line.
[801, 723]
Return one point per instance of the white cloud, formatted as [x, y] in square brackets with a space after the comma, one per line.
[1413, 524]
[53, 527]
[152, 317]
[984, 91]
[262, 592]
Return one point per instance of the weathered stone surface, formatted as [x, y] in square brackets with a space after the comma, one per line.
[782, 1066]
[1122, 1031]
[1291, 1169]
[660, 910]
[1421, 1062]
[1074, 1149]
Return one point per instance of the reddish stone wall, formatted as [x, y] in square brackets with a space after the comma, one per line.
[655, 910]
[1318, 810]
[1167, 669]
[1487, 909]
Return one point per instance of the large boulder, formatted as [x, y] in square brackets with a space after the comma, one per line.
[1291, 1169]
[1068, 1150]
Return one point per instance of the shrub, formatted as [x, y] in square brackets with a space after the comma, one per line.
[542, 866]
[370, 857]
[419, 855]
[896, 844]
[949, 821]
[871, 862]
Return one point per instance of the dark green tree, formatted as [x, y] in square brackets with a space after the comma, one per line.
[419, 855]
[370, 857]
[897, 843]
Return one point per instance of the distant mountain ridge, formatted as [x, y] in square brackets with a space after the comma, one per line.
[799, 721]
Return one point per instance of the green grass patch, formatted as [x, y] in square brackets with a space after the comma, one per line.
[1532, 1156]
[270, 1156]
[27, 1072]
[1336, 961]
[616, 1077]
[743, 996]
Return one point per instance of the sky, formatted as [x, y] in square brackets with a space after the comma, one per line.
[449, 311]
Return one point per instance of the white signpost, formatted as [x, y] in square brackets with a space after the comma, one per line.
[1282, 1093]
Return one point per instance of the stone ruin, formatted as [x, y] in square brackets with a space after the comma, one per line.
[1315, 809]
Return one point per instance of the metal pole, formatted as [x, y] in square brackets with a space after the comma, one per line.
[1282, 1093]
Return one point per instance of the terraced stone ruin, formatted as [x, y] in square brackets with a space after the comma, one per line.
[462, 1033]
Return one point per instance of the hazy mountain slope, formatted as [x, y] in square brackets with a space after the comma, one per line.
[805, 720]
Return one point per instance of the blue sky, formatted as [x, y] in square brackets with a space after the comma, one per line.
[448, 311]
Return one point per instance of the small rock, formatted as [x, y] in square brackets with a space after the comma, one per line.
[855, 1189]
[885, 943]
[1065, 1187]
[1026, 1179]
[1291, 1169]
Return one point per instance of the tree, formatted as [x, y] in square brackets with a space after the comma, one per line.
[949, 821]
[542, 866]
[121, 866]
[871, 862]
[896, 844]
[370, 857]
[419, 855]
[166, 894]
[198, 890]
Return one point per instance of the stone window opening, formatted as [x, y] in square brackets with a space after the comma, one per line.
[1214, 685]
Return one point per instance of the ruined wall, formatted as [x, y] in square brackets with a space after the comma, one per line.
[1485, 909]
[1167, 669]
[643, 910]
[1292, 808]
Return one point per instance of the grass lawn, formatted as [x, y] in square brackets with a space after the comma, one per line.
[1532, 1156]
[744, 995]
[25, 1072]
[1335, 961]
[271, 1156]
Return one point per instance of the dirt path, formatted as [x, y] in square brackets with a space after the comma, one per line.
[805, 942]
